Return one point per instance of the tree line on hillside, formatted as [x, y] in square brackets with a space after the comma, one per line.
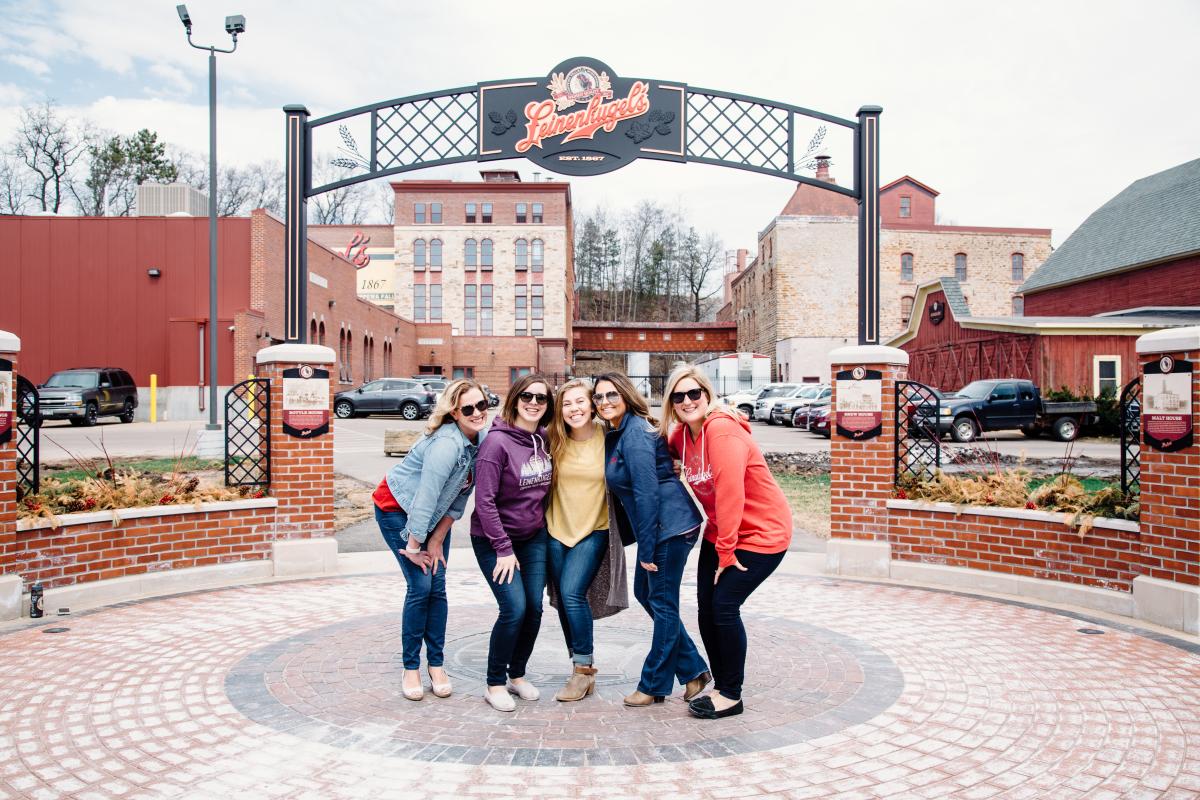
[66, 165]
[645, 264]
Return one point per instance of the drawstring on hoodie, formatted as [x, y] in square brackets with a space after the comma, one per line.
[686, 436]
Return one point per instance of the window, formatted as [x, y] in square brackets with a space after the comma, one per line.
[470, 212]
[538, 249]
[906, 306]
[487, 214]
[459, 373]
[1005, 392]
[522, 254]
[521, 311]
[471, 309]
[435, 255]
[537, 213]
[485, 256]
[349, 357]
[641, 336]
[538, 309]
[419, 255]
[485, 309]
[1106, 375]
[435, 213]
[906, 272]
[419, 213]
[419, 303]
[367, 360]
[435, 302]
[1018, 306]
[905, 206]
[312, 332]
[321, 334]
[521, 212]
[516, 373]
[471, 255]
[1018, 266]
[960, 266]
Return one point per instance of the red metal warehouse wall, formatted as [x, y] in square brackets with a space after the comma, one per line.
[77, 293]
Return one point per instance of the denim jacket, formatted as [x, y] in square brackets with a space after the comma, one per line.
[639, 474]
[432, 480]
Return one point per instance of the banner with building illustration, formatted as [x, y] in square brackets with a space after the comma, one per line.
[1167, 404]
[859, 411]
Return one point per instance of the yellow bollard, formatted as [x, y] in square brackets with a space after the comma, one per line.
[250, 405]
[153, 398]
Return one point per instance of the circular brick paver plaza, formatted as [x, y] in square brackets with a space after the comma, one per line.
[854, 690]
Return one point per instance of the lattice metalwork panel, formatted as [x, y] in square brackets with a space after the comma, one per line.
[1130, 422]
[918, 445]
[427, 130]
[740, 131]
[248, 434]
[28, 438]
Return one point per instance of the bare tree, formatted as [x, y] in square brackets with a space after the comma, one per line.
[14, 186]
[348, 205]
[48, 145]
[700, 260]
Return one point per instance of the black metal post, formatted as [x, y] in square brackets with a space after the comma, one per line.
[295, 259]
[866, 141]
[213, 425]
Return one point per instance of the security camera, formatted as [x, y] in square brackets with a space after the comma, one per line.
[235, 24]
[184, 16]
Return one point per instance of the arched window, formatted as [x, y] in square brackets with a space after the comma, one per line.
[321, 333]
[485, 255]
[471, 254]
[1018, 306]
[419, 254]
[1018, 266]
[906, 264]
[960, 266]
[537, 254]
[366, 359]
[349, 356]
[312, 332]
[522, 254]
[435, 255]
[906, 307]
[342, 356]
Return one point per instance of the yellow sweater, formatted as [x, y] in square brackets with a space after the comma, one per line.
[578, 504]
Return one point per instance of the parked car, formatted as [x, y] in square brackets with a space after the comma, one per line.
[84, 394]
[743, 401]
[819, 419]
[1008, 404]
[770, 395]
[432, 383]
[785, 409]
[492, 398]
[410, 399]
[803, 415]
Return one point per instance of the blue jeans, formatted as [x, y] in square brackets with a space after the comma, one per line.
[425, 606]
[672, 654]
[520, 601]
[572, 570]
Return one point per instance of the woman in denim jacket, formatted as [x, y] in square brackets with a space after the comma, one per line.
[415, 505]
[666, 524]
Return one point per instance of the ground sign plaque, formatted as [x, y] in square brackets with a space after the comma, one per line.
[1167, 404]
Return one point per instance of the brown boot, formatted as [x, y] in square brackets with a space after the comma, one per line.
[640, 699]
[581, 683]
[696, 685]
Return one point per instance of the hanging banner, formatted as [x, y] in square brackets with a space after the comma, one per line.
[859, 411]
[305, 402]
[8, 399]
[1167, 404]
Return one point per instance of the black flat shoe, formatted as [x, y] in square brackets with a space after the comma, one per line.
[703, 703]
[712, 713]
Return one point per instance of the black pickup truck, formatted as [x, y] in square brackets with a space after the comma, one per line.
[996, 405]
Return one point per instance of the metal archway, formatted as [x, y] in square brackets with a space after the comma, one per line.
[581, 119]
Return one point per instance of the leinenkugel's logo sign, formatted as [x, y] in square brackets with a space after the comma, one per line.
[582, 119]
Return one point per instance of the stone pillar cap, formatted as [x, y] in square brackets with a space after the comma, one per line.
[296, 354]
[869, 354]
[9, 342]
[1171, 340]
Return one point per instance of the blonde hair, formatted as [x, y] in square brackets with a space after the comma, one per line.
[556, 428]
[693, 372]
[448, 401]
[634, 402]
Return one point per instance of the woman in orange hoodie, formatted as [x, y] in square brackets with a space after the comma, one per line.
[748, 531]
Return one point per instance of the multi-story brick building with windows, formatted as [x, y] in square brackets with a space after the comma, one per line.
[798, 299]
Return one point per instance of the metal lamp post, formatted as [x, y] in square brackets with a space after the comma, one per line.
[233, 26]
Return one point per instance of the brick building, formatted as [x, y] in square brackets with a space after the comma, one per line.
[798, 299]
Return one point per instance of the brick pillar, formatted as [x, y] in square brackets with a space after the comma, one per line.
[1168, 591]
[862, 472]
[301, 471]
[10, 581]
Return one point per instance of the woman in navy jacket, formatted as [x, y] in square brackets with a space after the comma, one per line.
[665, 523]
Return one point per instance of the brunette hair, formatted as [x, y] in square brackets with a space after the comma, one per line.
[449, 401]
[634, 402]
[688, 371]
[509, 411]
[556, 428]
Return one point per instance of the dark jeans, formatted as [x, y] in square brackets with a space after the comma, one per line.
[572, 570]
[520, 602]
[721, 626]
[672, 654]
[425, 606]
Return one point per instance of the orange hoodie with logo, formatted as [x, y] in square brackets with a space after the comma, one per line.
[727, 473]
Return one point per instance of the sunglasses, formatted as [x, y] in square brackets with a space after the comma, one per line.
[478, 408]
[611, 398]
[690, 394]
[537, 398]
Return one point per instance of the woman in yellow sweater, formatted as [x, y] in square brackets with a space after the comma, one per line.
[587, 559]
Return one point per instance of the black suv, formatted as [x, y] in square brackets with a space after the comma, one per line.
[410, 399]
[83, 394]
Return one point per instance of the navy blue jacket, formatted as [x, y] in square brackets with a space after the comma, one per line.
[639, 474]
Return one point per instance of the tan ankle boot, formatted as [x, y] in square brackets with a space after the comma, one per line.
[581, 683]
[696, 685]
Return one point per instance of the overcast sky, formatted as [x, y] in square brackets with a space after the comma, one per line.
[1020, 113]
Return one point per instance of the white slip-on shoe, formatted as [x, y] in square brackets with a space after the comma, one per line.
[501, 701]
[524, 690]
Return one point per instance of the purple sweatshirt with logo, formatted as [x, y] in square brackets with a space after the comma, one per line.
[512, 479]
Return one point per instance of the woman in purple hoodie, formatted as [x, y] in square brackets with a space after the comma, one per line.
[508, 533]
